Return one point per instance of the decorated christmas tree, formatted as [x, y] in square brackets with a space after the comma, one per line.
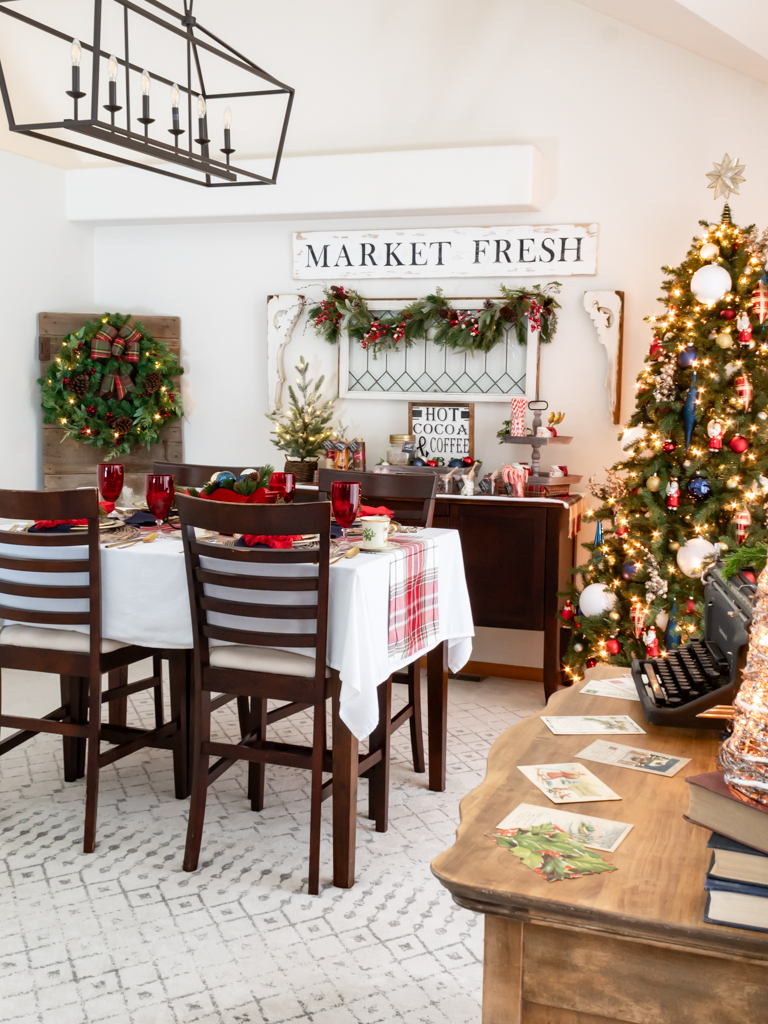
[300, 433]
[696, 451]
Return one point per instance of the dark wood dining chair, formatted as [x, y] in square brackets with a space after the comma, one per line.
[189, 474]
[249, 662]
[412, 498]
[32, 638]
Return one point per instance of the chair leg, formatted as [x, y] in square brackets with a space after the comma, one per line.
[157, 674]
[92, 766]
[201, 733]
[316, 807]
[417, 731]
[73, 748]
[118, 709]
[257, 770]
[179, 692]
[378, 776]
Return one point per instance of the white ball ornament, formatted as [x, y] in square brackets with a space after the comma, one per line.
[709, 284]
[596, 599]
[662, 619]
[709, 251]
[692, 555]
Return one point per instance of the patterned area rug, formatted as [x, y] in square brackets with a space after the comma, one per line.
[123, 936]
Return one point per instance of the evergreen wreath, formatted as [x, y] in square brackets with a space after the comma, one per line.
[112, 385]
[345, 310]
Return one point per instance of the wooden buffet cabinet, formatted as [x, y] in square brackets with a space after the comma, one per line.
[517, 556]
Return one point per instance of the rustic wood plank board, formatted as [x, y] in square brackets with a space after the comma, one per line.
[66, 463]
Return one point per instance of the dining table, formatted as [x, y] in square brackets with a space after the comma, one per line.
[145, 601]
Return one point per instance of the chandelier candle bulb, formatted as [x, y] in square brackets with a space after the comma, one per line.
[202, 126]
[175, 129]
[146, 85]
[75, 92]
[228, 134]
[112, 68]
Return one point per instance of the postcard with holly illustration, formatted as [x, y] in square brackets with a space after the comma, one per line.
[569, 783]
[596, 833]
[632, 757]
[584, 725]
[622, 687]
[550, 851]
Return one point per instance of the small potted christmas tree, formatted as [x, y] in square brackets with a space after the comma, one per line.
[300, 433]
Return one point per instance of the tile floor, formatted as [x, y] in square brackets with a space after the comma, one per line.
[125, 937]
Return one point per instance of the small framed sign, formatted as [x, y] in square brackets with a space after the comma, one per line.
[442, 429]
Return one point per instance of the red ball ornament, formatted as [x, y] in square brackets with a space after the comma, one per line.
[567, 611]
[738, 444]
[591, 662]
[690, 605]
[612, 645]
[727, 314]
[431, 462]
[468, 460]
[669, 446]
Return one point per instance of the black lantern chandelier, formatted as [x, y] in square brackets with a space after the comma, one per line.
[191, 153]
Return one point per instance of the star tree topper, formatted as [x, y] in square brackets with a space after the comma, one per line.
[726, 177]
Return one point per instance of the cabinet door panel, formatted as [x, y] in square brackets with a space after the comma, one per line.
[504, 562]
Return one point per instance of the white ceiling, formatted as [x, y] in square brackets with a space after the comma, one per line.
[733, 33]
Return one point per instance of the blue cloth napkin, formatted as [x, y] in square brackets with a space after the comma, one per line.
[61, 528]
[141, 518]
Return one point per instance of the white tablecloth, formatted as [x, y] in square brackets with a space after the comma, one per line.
[145, 601]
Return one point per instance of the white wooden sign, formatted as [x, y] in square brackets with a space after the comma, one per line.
[519, 251]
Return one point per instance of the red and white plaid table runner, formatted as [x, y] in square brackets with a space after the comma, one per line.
[413, 607]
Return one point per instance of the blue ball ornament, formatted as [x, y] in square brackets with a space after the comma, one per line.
[699, 488]
[418, 462]
[687, 357]
[628, 570]
[455, 462]
[222, 476]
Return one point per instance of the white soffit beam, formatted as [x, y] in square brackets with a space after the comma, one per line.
[487, 179]
[686, 25]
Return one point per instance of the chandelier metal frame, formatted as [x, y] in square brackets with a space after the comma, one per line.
[196, 159]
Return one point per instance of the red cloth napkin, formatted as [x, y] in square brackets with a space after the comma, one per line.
[48, 524]
[381, 510]
[271, 540]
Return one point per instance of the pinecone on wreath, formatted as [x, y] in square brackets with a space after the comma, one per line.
[123, 424]
[152, 383]
[80, 384]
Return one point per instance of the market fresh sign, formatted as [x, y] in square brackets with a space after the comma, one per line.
[520, 251]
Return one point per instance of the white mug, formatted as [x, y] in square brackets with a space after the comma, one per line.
[376, 532]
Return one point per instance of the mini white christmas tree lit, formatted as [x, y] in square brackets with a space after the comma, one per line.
[744, 755]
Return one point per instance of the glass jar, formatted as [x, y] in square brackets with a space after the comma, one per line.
[395, 456]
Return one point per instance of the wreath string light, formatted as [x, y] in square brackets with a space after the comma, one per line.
[112, 385]
[345, 310]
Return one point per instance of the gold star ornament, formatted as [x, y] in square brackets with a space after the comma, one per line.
[726, 177]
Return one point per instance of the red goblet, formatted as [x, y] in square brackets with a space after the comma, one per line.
[111, 476]
[284, 484]
[159, 494]
[345, 502]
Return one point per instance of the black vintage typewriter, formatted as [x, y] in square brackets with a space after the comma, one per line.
[700, 674]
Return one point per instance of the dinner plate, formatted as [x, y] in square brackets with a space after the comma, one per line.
[375, 551]
[104, 524]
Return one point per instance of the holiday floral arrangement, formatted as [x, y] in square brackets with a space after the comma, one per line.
[112, 385]
[345, 310]
[250, 488]
[695, 472]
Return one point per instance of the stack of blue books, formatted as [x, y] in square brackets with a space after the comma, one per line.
[736, 885]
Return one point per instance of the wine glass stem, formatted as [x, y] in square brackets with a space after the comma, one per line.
[344, 538]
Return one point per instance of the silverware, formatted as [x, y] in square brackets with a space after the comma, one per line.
[347, 554]
[139, 540]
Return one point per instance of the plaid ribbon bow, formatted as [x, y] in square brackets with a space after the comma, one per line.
[123, 344]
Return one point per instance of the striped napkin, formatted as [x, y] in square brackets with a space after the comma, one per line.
[413, 608]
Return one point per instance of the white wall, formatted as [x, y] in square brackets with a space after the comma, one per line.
[46, 264]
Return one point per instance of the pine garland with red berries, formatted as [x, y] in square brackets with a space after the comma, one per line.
[346, 311]
[112, 385]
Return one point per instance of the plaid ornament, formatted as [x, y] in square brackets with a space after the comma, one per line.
[101, 343]
[120, 382]
[127, 343]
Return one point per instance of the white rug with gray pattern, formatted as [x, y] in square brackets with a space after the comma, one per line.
[123, 936]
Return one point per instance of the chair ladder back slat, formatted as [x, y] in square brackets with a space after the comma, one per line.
[258, 611]
[60, 593]
[49, 618]
[246, 554]
[254, 639]
[224, 579]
